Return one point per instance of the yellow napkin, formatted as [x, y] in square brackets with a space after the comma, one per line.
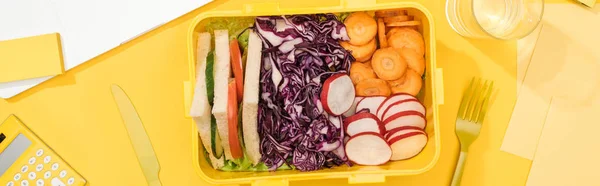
[30, 57]
[565, 64]
[567, 153]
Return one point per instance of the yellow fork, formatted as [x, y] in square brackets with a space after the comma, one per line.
[471, 113]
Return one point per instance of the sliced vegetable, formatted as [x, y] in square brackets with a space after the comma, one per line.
[403, 23]
[390, 13]
[388, 64]
[232, 122]
[371, 103]
[361, 53]
[401, 106]
[407, 145]
[391, 100]
[397, 83]
[368, 148]
[338, 94]
[217, 149]
[352, 109]
[405, 118]
[391, 31]
[363, 122]
[410, 84]
[373, 87]
[336, 121]
[292, 123]
[210, 79]
[415, 61]
[399, 18]
[401, 130]
[381, 33]
[236, 66]
[368, 64]
[360, 71]
[407, 38]
[361, 28]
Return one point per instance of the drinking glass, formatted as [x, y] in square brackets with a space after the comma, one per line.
[499, 19]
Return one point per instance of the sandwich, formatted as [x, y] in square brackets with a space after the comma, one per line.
[221, 77]
[203, 101]
[225, 100]
[250, 102]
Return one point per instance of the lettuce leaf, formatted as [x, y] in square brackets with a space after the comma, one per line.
[235, 25]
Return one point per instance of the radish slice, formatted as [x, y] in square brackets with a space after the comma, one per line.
[407, 145]
[406, 118]
[391, 100]
[370, 103]
[365, 110]
[352, 109]
[368, 148]
[363, 122]
[335, 120]
[402, 130]
[338, 94]
[401, 106]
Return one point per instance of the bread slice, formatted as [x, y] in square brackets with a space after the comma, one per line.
[201, 109]
[205, 137]
[250, 102]
[222, 74]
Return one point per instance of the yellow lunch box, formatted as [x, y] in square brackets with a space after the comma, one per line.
[432, 94]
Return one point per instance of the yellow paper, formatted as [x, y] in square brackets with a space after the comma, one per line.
[525, 48]
[564, 65]
[30, 57]
[568, 150]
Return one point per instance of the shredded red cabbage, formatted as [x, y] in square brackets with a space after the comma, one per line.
[301, 51]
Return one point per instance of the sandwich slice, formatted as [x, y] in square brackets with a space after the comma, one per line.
[250, 102]
[203, 100]
[222, 73]
[226, 98]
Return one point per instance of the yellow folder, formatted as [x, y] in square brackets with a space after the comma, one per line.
[30, 57]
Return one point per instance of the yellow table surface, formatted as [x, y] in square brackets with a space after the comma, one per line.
[76, 115]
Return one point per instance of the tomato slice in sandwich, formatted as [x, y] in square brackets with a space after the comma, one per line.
[232, 121]
[236, 65]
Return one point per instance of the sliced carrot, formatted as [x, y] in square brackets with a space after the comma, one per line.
[368, 64]
[236, 66]
[399, 18]
[388, 64]
[363, 52]
[391, 31]
[390, 13]
[411, 84]
[407, 38]
[361, 28]
[403, 23]
[381, 28]
[394, 84]
[232, 121]
[373, 87]
[360, 71]
[415, 61]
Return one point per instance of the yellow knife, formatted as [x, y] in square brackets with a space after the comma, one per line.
[137, 134]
